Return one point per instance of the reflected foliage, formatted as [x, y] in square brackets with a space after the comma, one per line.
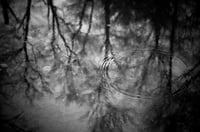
[116, 57]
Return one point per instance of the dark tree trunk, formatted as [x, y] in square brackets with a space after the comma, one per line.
[172, 39]
[157, 37]
[107, 26]
[5, 8]
[28, 13]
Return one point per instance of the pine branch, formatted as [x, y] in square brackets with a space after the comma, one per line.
[55, 20]
[79, 28]
[13, 13]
